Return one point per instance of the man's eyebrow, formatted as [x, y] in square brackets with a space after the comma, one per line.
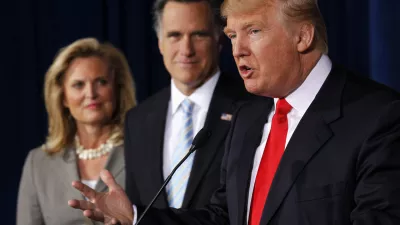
[169, 33]
[227, 30]
[201, 32]
[244, 27]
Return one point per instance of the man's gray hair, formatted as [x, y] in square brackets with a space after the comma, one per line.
[159, 5]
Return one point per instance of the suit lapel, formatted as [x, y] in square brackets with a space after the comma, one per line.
[311, 134]
[252, 124]
[154, 134]
[220, 103]
[67, 166]
[115, 164]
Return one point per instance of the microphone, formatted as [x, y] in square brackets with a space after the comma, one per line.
[198, 141]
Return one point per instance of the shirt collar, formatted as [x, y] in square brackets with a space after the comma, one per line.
[201, 96]
[302, 97]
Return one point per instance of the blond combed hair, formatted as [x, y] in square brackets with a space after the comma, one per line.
[292, 10]
[61, 125]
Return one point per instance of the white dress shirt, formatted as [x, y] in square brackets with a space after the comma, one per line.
[91, 183]
[300, 100]
[201, 98]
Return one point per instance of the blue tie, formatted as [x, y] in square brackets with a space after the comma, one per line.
[177, 186]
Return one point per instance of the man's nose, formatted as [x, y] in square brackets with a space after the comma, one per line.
[240, 48]
[187, 47]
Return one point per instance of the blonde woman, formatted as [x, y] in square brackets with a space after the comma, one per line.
[88, 89]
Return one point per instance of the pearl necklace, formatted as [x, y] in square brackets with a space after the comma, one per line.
[93, 153]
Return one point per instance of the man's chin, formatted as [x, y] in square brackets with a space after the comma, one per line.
[252, 87]
[186, 74]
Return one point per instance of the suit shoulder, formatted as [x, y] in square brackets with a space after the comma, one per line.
[151, 103]
[37, 159]
[37, 154]
[363, 87]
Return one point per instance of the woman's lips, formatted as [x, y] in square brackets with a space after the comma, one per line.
[93, 105]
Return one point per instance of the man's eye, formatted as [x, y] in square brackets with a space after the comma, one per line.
[103, 82]
[201, 34]
[231, 36]
[173, 35]
[254, 31]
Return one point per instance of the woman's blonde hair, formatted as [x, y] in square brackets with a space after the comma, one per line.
[62, 127]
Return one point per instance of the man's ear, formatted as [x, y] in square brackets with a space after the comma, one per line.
[306, 37]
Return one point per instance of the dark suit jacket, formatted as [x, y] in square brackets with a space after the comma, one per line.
[144, 139]
[341, 166]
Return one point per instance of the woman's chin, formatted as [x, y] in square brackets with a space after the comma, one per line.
[95, 121]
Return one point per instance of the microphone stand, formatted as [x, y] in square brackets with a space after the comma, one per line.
[198, 141]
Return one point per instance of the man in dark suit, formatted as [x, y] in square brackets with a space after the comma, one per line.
[188, 39]
[321, 148]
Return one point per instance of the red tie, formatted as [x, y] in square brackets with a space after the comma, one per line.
[270, 160]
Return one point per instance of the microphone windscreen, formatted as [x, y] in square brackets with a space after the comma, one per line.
[201, 138]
